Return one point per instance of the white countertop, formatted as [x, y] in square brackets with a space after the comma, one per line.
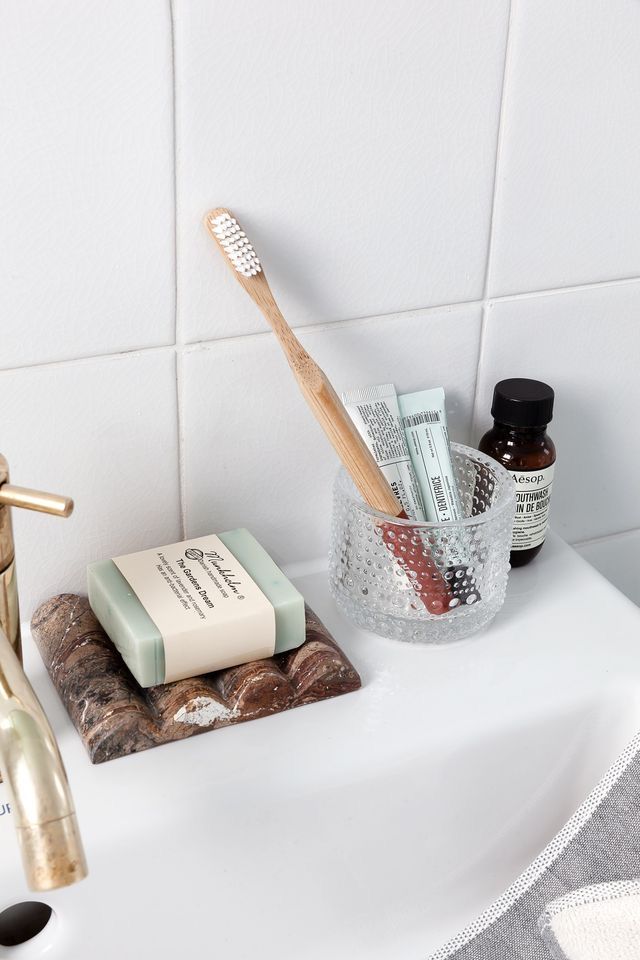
[373, 825]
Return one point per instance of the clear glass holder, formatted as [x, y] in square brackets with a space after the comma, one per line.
[425, 582]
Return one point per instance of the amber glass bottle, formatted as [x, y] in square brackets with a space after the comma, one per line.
[518, 440]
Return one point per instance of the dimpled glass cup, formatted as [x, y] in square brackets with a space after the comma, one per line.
[468, 559]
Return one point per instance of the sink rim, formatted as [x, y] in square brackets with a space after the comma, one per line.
[501, 678]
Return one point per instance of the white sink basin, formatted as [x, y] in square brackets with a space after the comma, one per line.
[372, 826]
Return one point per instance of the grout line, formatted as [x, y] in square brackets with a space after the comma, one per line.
[330, 324]
[411, 311]
[485, 287]
[174, 107]
[175, 172]
[326, 325]
[196, 345]
[179, 344]
[572, 288]
[607, 536]
[499, 141]
[73, 361]
[177, 324]
[181, 442]
[476, 386]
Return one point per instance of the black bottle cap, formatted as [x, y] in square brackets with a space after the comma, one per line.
[522, 403]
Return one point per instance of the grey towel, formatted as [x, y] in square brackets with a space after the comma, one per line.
[600, 844]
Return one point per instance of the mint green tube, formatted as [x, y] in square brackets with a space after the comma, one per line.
[424, 419]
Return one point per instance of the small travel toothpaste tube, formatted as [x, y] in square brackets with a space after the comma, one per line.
[190, 608]
[375, 413]
[424, 419]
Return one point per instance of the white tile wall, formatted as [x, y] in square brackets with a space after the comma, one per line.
[566, 210]
[103, 431]
[360, 143]
[86, 179]
[356, 141]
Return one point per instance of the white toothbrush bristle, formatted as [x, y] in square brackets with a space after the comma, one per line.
[235, 244]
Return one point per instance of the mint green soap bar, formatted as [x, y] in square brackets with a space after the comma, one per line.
[287, 602]
[138, 639]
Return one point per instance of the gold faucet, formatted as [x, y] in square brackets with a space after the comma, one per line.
[30, 761]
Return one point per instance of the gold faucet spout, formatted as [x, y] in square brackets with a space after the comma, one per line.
[30, 761]
[31, 765]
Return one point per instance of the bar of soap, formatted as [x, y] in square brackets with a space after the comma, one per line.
[194, 607]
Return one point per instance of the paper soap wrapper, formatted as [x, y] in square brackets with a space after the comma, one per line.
[197, 606]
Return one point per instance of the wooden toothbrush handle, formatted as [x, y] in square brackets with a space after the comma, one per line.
[330, 413]
[327, 407]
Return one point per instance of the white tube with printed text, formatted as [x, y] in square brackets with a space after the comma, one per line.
[375, 413]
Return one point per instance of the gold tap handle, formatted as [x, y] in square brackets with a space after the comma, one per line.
[12, 496]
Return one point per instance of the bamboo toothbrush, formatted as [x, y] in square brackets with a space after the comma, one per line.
[315, 386]
[323, 400]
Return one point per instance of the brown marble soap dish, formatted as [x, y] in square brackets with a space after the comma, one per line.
[115, 716]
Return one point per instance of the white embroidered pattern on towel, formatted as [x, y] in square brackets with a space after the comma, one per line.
[597, 922]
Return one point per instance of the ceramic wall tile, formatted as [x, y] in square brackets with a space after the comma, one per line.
[253, 453]
[86, 179]
[103, 431]
[356, 143]
[567, 208]
[618, 559]
[585, 343]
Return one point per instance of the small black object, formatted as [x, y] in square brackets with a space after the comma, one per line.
[522, 403]
[23, 921]
[462, 582]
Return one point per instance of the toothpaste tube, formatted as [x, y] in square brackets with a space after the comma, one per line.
[425, 425]
[424, 419]
[375, 413]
